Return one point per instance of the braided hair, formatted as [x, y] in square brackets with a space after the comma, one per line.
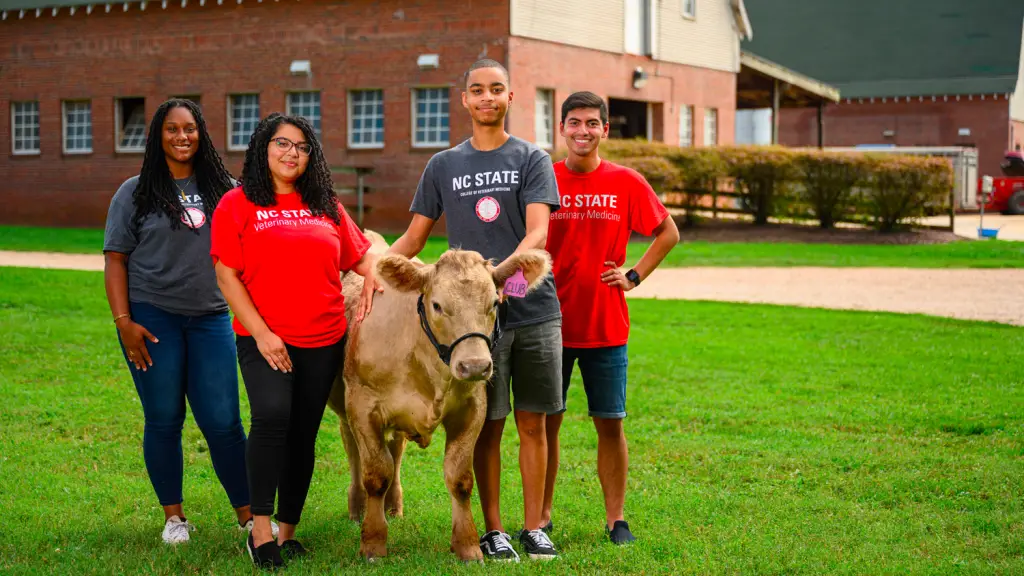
[156, 192]
[314, 185]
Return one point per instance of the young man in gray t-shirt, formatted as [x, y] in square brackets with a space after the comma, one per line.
[498, 192]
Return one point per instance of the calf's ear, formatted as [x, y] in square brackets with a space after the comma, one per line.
[534, 263]
[402, 274]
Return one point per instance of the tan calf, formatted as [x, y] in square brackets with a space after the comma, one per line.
[395, 385]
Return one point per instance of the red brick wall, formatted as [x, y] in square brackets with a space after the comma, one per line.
[916, 123]
[217, 50]
[566, 69]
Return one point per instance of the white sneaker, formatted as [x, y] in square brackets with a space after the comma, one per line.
[176, 530]
[248, 527]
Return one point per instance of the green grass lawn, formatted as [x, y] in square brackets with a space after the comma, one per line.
[763, 440]
[989, 254]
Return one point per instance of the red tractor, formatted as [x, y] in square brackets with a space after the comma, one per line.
[1008, 191]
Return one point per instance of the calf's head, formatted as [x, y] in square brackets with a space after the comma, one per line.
[460, 297]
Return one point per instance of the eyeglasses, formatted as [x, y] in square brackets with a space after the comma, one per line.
[284, 145]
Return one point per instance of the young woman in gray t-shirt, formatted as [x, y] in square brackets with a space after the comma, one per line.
[172, 320]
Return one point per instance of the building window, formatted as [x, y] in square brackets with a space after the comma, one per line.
[686, 126]
[639, 23]
[193, 98]
[25, 121]
[544, 120]
[689, 8]
[78, 127]
[244, 115]
[710, 126]
[130, 123]
[366, 119]
[305, 105]
[430, 117]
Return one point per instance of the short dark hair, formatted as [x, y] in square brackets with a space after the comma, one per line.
[579, 100]
[487, 63]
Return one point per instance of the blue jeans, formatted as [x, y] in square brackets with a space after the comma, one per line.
[194, 359]
[604, 379]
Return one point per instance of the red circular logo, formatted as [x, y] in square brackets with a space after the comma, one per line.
[193, 218]
[487, 209]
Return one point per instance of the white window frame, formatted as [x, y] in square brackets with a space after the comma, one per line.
[711, 130]
[231, 120]
[351, 120]
[64, 127]
[317, 119]
[688, 8]
[415, 101]
[685, 126]
[119, 135]
[545, 98]
[14, 125]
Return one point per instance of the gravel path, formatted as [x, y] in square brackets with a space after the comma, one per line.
[994, 295]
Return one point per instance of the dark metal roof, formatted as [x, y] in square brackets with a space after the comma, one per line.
[879, 48]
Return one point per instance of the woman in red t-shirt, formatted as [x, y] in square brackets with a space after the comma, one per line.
[280, 243]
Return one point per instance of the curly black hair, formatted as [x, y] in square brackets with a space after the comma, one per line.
[314, 186]
[156, 192]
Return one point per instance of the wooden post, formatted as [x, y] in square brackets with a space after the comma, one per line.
[359, 197]
[775, 110]
[821, 124]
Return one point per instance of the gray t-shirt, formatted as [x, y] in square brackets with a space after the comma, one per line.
[484, 195]
[169, 269]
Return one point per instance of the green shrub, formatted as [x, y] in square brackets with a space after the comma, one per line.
[763, 174]
[661, 174]
[828, 182]
[905, 187]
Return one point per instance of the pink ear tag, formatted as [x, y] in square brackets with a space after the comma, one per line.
[516, 285]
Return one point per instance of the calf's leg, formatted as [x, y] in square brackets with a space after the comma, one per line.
[378, 469]
[393, 502]
[461, 431]
[356, 491]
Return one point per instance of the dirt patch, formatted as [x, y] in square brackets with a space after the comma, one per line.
[740, 231]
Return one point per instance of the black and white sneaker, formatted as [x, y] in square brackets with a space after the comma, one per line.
[537, 545]
[547, 528]
[497, 546]
[619, 534]
[267, 556]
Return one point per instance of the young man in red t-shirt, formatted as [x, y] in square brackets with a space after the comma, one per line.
[602, 203]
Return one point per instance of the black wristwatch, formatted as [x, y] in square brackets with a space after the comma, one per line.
[633, 277]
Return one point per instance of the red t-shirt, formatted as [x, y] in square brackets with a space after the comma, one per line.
[290, 262]
[599, 211]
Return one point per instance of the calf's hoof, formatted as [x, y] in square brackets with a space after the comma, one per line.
[393, 502]
[468, 553]
[371, 551]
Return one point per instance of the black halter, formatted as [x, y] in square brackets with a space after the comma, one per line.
[445, 352]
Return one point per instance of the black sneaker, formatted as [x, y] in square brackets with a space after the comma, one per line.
[267, 556]
[292, 549]
[537, 545]
[497, 546]
[619, 534]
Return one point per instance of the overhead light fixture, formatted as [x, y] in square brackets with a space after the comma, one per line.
[300, 68]
[888, 133]
[964, 132]
[428, 61]
[639, 78]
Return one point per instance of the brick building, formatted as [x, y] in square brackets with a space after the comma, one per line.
[910, 73]
[381, 78]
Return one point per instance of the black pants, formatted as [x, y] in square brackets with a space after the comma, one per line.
[286, 414]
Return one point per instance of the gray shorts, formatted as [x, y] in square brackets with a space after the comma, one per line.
[531, 358]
